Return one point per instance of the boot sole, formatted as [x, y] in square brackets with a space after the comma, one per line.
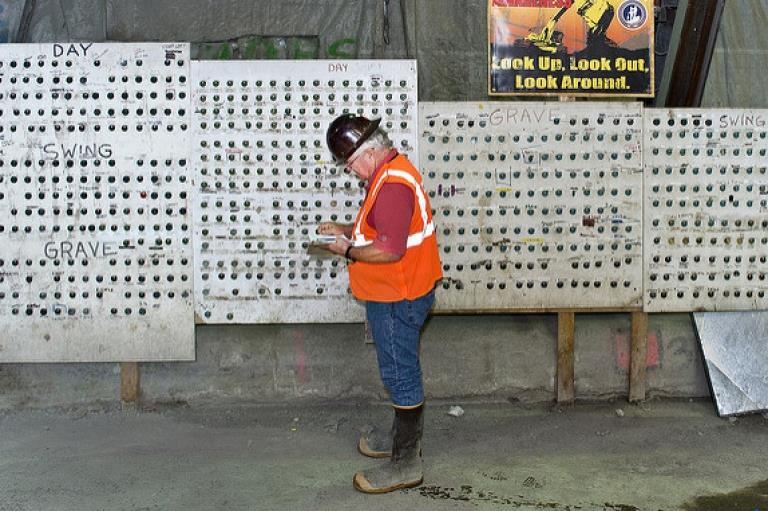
[370, 489]
[362, 447]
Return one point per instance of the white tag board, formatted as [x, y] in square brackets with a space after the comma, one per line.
[537, 205]
[706, 210]
[95, 233]
[265, 180]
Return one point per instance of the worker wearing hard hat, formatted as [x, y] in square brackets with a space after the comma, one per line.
[393, 267]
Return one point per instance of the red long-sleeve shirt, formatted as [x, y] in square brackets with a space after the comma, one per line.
[391, 213]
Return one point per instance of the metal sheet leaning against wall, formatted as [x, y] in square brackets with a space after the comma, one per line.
[735, 349]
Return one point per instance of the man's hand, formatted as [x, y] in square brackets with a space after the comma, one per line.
[369, 253]
[339, 246]
[334, 229]
[342, 232]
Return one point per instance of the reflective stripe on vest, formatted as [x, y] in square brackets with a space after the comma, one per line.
[415, 239]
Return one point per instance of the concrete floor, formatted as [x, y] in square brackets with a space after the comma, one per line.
[658, 456]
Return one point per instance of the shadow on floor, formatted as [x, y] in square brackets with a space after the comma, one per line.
[754, 498]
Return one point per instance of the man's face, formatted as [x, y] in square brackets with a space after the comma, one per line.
[360, 164]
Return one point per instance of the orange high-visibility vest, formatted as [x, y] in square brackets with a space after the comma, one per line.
[415, 274]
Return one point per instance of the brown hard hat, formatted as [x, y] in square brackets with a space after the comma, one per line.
[348, 132]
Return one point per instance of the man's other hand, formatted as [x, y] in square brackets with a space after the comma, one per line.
[331, 228]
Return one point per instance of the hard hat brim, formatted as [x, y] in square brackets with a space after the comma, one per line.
[373, 125]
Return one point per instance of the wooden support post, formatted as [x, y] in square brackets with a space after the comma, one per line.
[130, 386]
[639, 355]
[565, 334]
[690, 68]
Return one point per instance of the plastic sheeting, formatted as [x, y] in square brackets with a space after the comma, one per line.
[736, 75]
[10, 15]
[447, 37]
[65, 21]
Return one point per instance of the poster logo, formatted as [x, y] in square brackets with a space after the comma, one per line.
[632, 14]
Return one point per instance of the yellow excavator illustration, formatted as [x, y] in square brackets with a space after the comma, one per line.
[597, 14]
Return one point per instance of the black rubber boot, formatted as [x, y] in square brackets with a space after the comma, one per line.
[403, 469]
[376, 443]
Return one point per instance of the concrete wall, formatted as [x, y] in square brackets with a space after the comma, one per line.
[505, 357]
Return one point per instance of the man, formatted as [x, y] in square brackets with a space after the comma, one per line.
[393, 267]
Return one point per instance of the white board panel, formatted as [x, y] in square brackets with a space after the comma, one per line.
[706, 210]
[265, 180]
[537, 205]
[95, 232]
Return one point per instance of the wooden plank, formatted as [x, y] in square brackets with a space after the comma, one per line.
[639, 355]
[130, 386]
[694, 54]
[565, 334]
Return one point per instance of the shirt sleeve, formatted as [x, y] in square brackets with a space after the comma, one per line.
[391, 217]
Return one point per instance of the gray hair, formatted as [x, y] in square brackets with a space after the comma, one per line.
[378, 140]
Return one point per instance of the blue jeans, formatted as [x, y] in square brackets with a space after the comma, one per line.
[395, 328]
